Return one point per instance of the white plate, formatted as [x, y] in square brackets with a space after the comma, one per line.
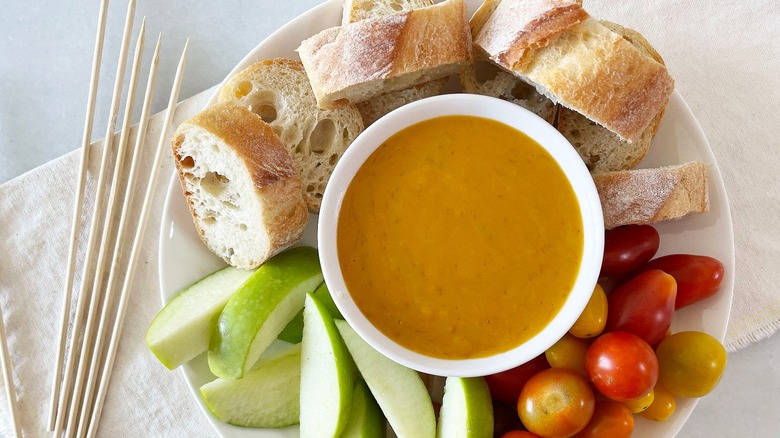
[184, 258]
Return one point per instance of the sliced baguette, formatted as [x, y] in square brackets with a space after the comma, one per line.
[358, 61]
[241, 185]
[356, 10]
[484, 77]
[279, 92]
[373, 109]
[576, 61]
[601, 149]
[644, 196]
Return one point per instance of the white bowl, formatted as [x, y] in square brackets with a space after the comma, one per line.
[468, 105]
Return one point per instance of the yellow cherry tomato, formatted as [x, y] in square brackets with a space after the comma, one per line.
[691, 363]
[663, 405]
[641, 404]
[568, 352]
[592, 320]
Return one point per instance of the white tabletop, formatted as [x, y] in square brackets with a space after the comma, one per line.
[45, 53]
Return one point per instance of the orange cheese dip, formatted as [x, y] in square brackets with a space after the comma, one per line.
[460, 237]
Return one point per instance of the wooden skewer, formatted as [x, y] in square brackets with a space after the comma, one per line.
[96, 221]
[126, 206]
[85, 142]
[147, 205]
[8, 379]
[86, 351]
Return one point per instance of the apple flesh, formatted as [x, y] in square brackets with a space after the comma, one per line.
[466, 409]
[398, 390]
[260, 309]
[267, 396]
[182, 329]
[327, 373]
[366, 419]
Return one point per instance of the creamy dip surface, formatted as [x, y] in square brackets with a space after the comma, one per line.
[460, 237]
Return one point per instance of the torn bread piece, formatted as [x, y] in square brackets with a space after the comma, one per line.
[645, 196]
[279, 92]
[240, 183]
[361, 60]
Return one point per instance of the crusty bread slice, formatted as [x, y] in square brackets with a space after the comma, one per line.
[373, 109]
[603, 150]
[644, 196]
[240, 183]
[576, 61]
[279, 91]
[359, 61]
[356, 10]
[486, 78]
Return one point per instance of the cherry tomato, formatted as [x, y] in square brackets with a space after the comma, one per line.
[621, 366]
[627, 247]
[643, 306]
[556, 403]
[663, 405]
[592, 320]
[520, 434]
[568, 352]
[641, 404]
[691, 363]
[698, 277]
[610, 420]
[505, 419]
[506, 385]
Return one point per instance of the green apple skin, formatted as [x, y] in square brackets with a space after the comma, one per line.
[182, 329]
[260, 309]
[366, 419]
[267, 396]
[466, 410]
[399, 391]
[327, 374]
[293, 333]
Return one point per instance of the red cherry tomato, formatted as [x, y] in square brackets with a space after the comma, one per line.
[644, 306]
[556, 403]
[506, 385]
[698, 277]
[627, 247]
[520, 434]
[610, 420]
[505, 419]
[621, 366]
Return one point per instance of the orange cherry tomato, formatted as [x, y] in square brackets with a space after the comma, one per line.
[506, 385]
[621, 366]
[691, 363]
[592, 320]
[610, 420]
[568, 352]
[663, 405]
[641, 404]
[556, 403]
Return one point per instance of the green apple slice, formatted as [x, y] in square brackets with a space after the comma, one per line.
[260, 309]
[293, 332]
[398, 390]
[466, 409]
[366, 419]
[183, 327]
[327, 373]
[267, 396]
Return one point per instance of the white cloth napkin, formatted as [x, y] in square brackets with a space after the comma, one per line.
[725, 58]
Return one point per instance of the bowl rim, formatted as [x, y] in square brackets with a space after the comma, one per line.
[516, 117]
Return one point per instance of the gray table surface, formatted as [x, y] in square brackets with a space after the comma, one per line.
[45, 59]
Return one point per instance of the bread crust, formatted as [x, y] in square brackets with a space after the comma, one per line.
[355, 62]
[273, 173]
[585, 67]
[645, 196]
